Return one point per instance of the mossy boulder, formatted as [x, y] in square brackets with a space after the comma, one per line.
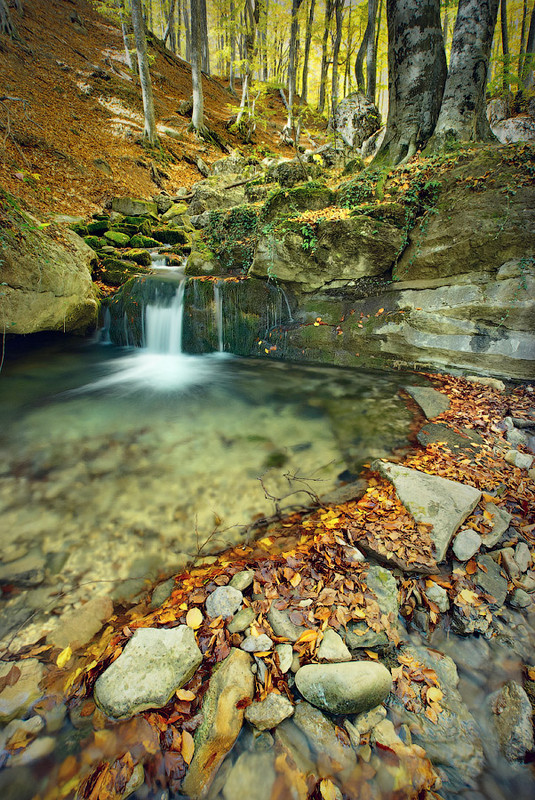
[176, 210]
[170, 235]
[98, 227]
[115, 272]
[203, 262]
[139, 256]
[122, 227]
[132, 207]
[94, 242]
[117, 238]
[341, 251]
[139, 240]
[80, 228]
[291, 172]
[309, 197]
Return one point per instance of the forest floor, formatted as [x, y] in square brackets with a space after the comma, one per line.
[72, 137]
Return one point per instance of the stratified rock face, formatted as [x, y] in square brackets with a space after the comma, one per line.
[46, 281]
[346, 249]
[154, 663]
[443, 503]
[350, 687]
[231, 683]
[356, 119]
[213, 194]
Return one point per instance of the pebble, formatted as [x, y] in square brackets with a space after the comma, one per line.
[348, 688]
[223, 602]
[14, 700]
[269, 713]
[518, 459]
[257, 644]
[520, 599]
[333, 648]
[282, 624]
[285, 653]
[438, 595]
[466, 544]
[242, 580]
[522, 556]
[32, 726]
[241, 620]
[37, 749]
[516, 437]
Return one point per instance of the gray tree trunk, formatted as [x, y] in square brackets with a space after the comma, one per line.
[462, 114]
[505, 45]
[527, 67]
[232, 37]
[416, 77]
[339, 13]
[359, 62]
[6, 23]
[124, 31]
[187, 30]
[197, 116]
[523, 32]
[170, 22]
[446, 22]
[292, 63]
[329, 6]
[308, 41]
[149, 131]
[371, 53]
[205, 50]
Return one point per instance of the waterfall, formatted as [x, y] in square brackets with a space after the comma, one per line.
[218, 301]
[163, 324]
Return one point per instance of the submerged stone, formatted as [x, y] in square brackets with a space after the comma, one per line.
[510, 713]
[154, 663]
[269, 713]
[430, 400]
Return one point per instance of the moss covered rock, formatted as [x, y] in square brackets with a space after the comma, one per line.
[133, 207]
[139, 256]
[98, 227]
[309, 197]
[139, 240]
[94, 242]
[170, 235]
[117, 238]
[115, 272]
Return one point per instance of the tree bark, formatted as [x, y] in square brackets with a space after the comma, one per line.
[463, 111]
[6, 23]
[232, 38]
[205, 50]
[329, 5]
[505, 45]
[308, 41]
[523, 32]
[339, 13]
[187, 30]
[197, 116]
[149, 132]
[446, 22]
[527, 67]
[170, 21]
[371, 53]
[292, 65]
[124, 31]
[416, 76]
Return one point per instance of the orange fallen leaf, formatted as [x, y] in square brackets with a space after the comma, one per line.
[194, 618]
[185, 694]
[188, 746]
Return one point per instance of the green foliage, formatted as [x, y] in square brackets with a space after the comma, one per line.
[310, 240]
[359, 189]
[232, 236]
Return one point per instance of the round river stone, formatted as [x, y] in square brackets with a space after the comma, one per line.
[347, 688]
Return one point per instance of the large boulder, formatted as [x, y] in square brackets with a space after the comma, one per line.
[46, 278]
[350, 687]
[213, 194]
[485, 216]
[356, 118]
[133, 207]
[308, 197]
[515, 129]
[342, 250]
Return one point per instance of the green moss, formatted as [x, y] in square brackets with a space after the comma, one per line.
[139, 256]
[139, 240]
[232, 237]
[170, 235]
[98, 227]
[117, 238]
[94, 242]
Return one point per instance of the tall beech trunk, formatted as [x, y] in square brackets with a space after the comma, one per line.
[416, 77]
[463, 112]
[523, 32]
[170, 21]
[187, 29]
[339, 16]
[205, 51]
[308, 40]
[197, 117]
[232, 38]
[149, 131]
[371, 52]
[292, 63]
[329, 7]
[528, 65]
[505, 45]
[446, 22]
[6, 23]
[124, 31]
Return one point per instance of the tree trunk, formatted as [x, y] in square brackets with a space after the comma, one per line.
[178, 47]
[205, 50]
[505, 45]
[232, 37]
[371, 53]
[197, 116]
[292, 65]
[324, 61]
[523, 32]
[6, 24]
[527, 67]
[463, 111]
[252, 15]
[149, 131]
[124, 31]
[359, 61]
[338, 12]
[416, 76]
[446, 23]
[187, 30]
[170, 21]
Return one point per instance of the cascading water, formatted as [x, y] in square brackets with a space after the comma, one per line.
[218, 301]
[163, 325]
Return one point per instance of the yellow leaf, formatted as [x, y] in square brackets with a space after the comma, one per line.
[188, 746]
[307, 636]
[185, 694]
[329, 791]
[531, 673]
[194, 618]
[295, 580]
[72, 677]
[372, 655]
[468, 596]
[434, 695]
[64, 657]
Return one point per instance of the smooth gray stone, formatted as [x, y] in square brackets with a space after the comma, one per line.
[466, 544]
[351, 687]
[430, 400]
[270, 712]
[223, 602]
[492, 581]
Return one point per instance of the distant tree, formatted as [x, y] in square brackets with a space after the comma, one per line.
[197, 117]
[252, 16]
[529, 60]
[292, 65]
[329, 8]
[505, 45]
[149, 131]
[128, 55]
[371, 52]
[308, 40]
[339, 16]
[170, 22]
[6, 23]
[416, 76]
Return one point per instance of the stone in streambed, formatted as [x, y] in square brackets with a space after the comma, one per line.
[490, 578]
[242, 580]
[154, 663]
[241, 620]
[466, 544]
[257, 644]
[17, 698]
[252, 776]
[76, 628]
[223, 602]
[437, 501]
[283, 626]
[132, 207]
[269, 713]
[518, 459]
[347, 688]
[332, 648]
[438, 595]
[509, 711]
[230, 683]
[286, 656]
[384, 586]
[500, 521]
[117, 238]
[520, 599]
[321, 736]
[430, 401]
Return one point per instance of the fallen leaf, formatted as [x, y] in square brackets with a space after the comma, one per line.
[188, 746]
[185, 694]
[194, 618]
[64, 657]
[329, 791]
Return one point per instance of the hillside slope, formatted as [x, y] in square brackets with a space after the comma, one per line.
[71, 138]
